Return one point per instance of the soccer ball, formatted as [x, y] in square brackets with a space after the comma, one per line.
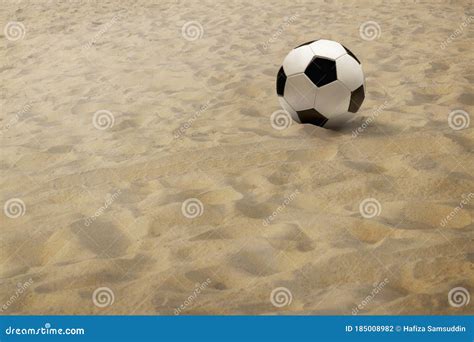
[321, 82]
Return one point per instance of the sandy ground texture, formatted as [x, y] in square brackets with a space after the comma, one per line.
[141, 172]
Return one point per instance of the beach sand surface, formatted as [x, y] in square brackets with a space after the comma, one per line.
[114, 119]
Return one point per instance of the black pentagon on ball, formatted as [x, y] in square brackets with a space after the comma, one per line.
[357, 97]
[281, 80]
[321, 71]
[312, 116]
[349, 52]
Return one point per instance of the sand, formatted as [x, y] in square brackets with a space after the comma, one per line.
[100, 227]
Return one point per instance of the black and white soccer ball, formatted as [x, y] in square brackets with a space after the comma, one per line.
[321, 82]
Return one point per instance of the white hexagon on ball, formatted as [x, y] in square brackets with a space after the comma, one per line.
[332, 99]
[297, 60]
[327, 48]
[300, 92]
[349, 72]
